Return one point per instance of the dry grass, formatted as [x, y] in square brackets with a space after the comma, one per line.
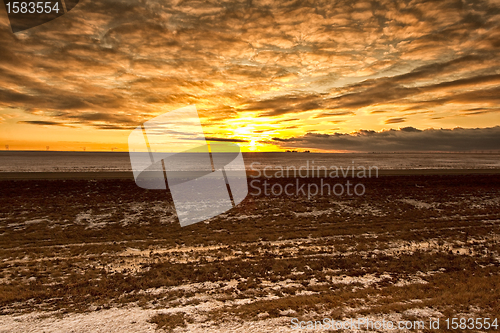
[108, 244]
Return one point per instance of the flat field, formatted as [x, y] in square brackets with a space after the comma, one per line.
[106, 256]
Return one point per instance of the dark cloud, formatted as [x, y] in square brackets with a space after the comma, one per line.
[113, 127]
[333, 114]
[224, 139]
[41, 122]
[285, 104]
[480, 111]
[389, 90]
[104, 117]
[395, 120]
[405, 139]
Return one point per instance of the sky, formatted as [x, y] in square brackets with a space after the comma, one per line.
[326, 76]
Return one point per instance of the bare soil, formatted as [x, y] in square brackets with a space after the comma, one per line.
[106, 256]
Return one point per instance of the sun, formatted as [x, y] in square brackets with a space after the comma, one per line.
[252, 146]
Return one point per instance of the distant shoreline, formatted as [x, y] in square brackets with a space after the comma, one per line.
[129, 175]
[479, 152]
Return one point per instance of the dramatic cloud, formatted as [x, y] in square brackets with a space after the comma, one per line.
[404, 139]
[41, 122]
[111, 65]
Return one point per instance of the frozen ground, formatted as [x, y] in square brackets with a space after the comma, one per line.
[107, 257]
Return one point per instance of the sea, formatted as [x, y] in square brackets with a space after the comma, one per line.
[57, 161]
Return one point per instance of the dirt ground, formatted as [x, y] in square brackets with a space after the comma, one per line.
[106, 256]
